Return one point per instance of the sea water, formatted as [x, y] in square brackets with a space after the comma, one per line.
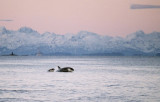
[95, 79]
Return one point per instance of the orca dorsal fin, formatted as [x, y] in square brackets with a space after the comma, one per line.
[59, 67]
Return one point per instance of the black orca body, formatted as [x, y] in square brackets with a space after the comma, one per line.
[51, 70]
[65, 69]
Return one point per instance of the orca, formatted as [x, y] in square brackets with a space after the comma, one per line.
[65, 69]
[51, 70]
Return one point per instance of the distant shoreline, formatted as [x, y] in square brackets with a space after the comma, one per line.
[89, 55]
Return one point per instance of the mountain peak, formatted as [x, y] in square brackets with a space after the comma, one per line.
[26, 30]
[140, 33]
[136, 35]
[83, 34]
[3, 30]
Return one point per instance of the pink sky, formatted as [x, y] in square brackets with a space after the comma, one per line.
[105, 17]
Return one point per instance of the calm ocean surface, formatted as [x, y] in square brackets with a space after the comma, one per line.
[95, 79]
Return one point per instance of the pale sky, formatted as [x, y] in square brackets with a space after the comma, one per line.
[105, 17]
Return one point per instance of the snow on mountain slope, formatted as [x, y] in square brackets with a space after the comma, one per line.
[3, 30]
[26, 30]
[28, 41]
[144, 42]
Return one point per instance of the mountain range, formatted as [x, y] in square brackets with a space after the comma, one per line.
[26, 41]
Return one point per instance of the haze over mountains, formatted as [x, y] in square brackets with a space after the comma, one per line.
[26, 41]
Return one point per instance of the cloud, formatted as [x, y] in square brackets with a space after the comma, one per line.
[140, 6]
[6, 20]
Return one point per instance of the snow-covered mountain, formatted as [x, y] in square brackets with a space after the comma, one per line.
[27, 41]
